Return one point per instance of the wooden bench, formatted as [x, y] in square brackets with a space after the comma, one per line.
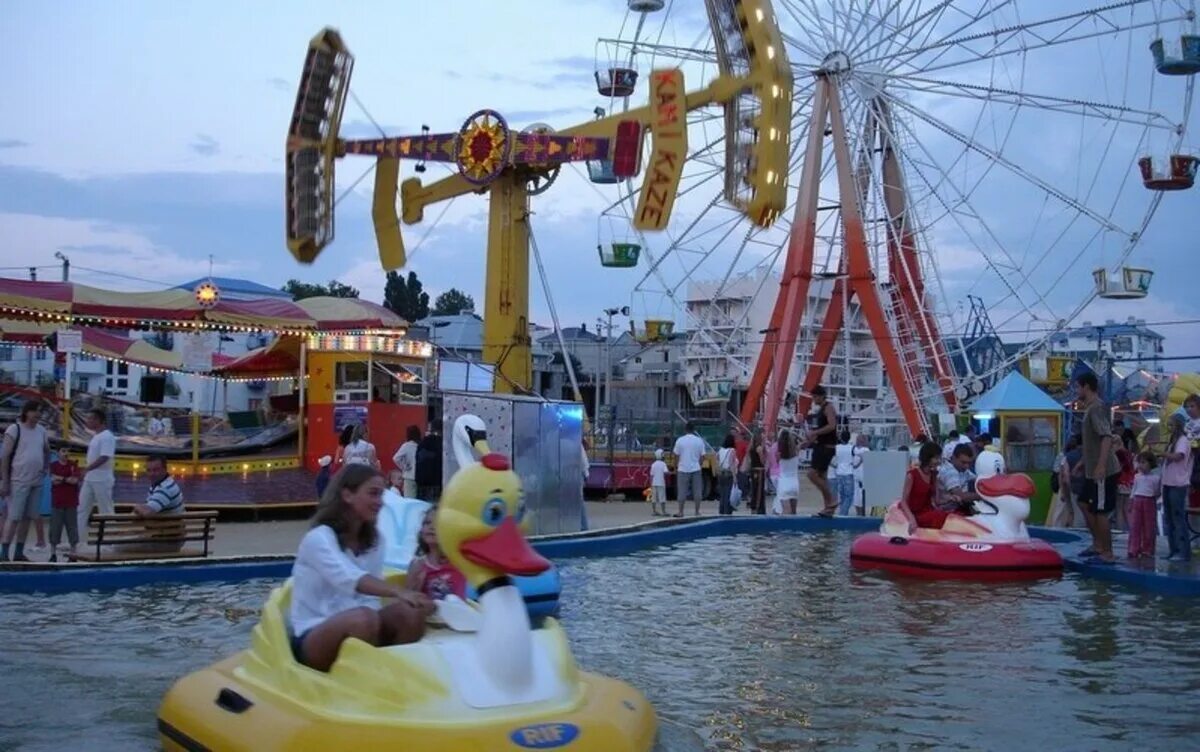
[109, 534]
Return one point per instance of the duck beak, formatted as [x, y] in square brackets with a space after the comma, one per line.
[505, 550]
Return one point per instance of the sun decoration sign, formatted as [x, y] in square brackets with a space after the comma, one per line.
[482, 147]
[207, 294]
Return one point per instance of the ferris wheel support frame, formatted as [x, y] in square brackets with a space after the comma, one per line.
[904, 263]
[769, 381]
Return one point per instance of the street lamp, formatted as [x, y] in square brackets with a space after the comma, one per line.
[66, 265]
[607, 373]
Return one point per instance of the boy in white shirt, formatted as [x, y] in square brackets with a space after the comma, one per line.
[658, 484]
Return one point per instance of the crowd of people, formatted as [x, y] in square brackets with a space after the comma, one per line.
[1115, 484]
[1102, 478]
[30, 470]
[417, 472]
[751, 468]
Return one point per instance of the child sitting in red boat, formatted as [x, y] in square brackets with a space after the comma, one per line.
[431, 572]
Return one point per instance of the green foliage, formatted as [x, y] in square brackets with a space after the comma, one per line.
[405, 297]
[453, 301]
[301, 290]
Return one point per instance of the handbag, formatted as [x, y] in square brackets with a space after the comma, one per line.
[735, 497]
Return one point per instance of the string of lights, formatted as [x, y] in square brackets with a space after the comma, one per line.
[184, 325]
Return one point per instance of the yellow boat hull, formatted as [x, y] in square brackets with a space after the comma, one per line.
[396, 698]
[613, 717]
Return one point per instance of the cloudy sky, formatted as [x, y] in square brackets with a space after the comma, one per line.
[143, 138]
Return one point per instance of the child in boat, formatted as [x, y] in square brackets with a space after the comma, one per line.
[1142, 512]
[920, 486]
[430, 572]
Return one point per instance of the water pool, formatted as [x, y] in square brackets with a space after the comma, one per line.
[756, 642]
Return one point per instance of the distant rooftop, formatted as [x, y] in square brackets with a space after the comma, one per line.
[456, 332]
[238, 288]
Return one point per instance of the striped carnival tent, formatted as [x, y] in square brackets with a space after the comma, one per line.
[75, 304]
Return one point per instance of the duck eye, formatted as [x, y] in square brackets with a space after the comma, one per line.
[494, 511]
[520, 513]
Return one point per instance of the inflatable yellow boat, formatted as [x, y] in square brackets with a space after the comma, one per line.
[489, 684]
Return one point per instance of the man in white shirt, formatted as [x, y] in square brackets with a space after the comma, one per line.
[954, 479]
[990, 461]
[26, 458]
[406, 462]
[96, 492]
[689, 451]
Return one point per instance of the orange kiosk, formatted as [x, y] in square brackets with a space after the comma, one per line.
[378, 380]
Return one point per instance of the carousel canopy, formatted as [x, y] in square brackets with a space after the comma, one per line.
[1015, 393]
[67, 302]
[109, 345]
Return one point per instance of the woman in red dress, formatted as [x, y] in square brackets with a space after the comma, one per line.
[920, 486]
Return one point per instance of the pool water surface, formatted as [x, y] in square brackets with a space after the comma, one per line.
[754, 642]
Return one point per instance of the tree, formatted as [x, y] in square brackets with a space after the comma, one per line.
[405, 297]
[301, 290]
[453, 301]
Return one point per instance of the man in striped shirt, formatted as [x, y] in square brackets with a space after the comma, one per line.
[165, 498]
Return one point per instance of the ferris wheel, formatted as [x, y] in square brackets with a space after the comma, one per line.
[973, 172]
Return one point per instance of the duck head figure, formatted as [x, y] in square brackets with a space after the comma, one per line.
[482, 511]
[1008, 497]
[479, 529]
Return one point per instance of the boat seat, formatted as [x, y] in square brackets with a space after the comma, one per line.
[128, 537]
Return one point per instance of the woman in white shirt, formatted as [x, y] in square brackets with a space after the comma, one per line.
[359, 451]
[788, 487]
[406, 462]
[727, 466]
[861, 448]
[337, 578]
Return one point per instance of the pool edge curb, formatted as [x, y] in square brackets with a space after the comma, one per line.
[73, 577]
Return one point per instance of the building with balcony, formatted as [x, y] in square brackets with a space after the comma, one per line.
[1130, 344]
[730, 326]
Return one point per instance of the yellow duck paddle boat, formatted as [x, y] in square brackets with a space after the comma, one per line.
[489, 684]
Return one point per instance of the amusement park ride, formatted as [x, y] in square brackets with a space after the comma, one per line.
[510, 167]
[851, 82]
[856, 277]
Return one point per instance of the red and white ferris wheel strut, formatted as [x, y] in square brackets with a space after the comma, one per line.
[914, 322]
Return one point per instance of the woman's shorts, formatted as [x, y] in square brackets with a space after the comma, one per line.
[297, 642]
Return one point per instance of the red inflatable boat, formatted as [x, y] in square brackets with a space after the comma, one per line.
[993, 545]
[1022, 560]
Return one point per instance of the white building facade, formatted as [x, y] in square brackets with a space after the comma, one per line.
[728, 326]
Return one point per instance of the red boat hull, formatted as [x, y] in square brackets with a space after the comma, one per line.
[1026, 560]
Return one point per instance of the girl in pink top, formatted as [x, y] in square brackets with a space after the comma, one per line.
[1143, 503]
[773, 468]
[430, 572]
[1176, 479]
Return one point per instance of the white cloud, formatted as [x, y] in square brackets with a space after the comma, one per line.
[123, 258]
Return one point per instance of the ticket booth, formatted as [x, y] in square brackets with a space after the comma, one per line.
[1028, 425]
[381, 382]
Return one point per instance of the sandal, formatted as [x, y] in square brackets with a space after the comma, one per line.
[824, 515]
